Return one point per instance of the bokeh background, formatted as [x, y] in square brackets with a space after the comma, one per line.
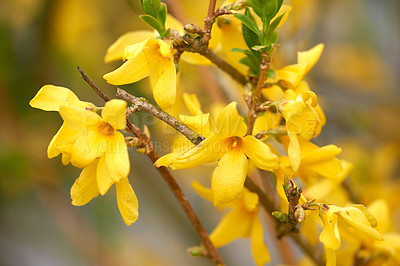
[43, 41]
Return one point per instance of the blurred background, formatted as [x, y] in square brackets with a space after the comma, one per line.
[42, 42]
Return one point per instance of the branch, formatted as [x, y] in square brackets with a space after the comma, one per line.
[256, 93]
[169, 179]
[209, 21]
[270, 206]
[141, 104]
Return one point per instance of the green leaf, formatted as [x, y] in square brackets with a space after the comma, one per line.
[163, 14]
[238, 50]
[253, 61]
[265, 9]
[258, 47]
[249, 23]
[154, 23]
[251, 39]
[152, 8]
[275, 23]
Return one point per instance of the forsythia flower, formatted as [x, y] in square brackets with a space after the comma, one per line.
[315, 161]
[91, 142]
[241, 221]
[50, 98]
[231, 147]
[151, 57]
[354, 218]
[301, 121]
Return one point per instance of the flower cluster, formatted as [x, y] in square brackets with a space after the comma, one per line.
[273, 142]
[93, 143]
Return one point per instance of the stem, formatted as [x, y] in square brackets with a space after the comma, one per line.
[255, 97]
[225, 66]
[208, 22]
[141, 104]
[169, 179]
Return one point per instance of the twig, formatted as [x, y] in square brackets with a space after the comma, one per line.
[170, 180]
[91, 84]
[209, 21]
[256, 93]
[196, 46]
[141, 104]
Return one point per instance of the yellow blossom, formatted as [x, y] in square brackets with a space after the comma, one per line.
[315, 161]
[151, 57]
[101, 150]
[241, 221]
[231, 147]
[301, 121]
[353, 218]
[96, 179]
[50, 98]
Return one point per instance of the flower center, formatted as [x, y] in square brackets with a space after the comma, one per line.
[105, 129]
[234, 144]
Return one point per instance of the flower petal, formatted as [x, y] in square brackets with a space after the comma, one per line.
[86, 149]
[192, 103]
[50, 97]
[209, 150]
[294, 152]
[79, 119]
[198, 123]
[103, 177]
[164, 90]
[134, 69]
[228, 178]
[258, 248]
[117, 158]
[65, 137]
[260, 153]
[85, 187]
[204, 192]
[323, 153]
[127, 201]
[233, 225]
[357, 219]
[114, 113]
[330, 256]
[229, 122]
[310, 57]
[117, 50]
[330, 233]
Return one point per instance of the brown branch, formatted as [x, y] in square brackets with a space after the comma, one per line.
[256, 93]
[208, 22]
[141, 104]
[91, 84]
[170, 180]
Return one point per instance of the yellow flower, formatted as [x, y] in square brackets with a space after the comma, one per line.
[241, 221]
[101, 150]
[96, 179]
[230, 146]
[301, 121]
[390, 246]
[294, 74]
[354, 218]
[315, 161]
[151, 57]
[50, 98]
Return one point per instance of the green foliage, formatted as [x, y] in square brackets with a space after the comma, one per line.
[156, 14]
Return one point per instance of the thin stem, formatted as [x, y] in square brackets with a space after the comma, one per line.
[195, 45]
[209, 21]
[169, 179]
[91, 84]
[141, 104]
[256, 94]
